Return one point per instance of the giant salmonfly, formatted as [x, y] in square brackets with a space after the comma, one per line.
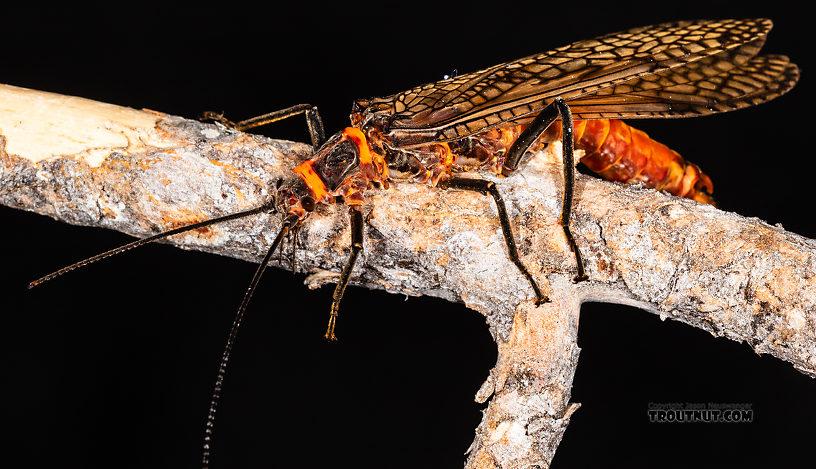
[490, 119]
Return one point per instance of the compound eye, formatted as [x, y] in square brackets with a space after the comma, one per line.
[308, 203]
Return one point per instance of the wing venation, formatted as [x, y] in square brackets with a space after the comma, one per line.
[654, 71]
[760, 79]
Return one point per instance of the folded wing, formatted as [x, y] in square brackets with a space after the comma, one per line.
[655, 71]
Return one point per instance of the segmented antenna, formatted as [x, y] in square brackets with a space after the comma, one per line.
[150, 239]
[288, 223]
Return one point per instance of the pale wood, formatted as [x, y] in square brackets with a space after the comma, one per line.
[142, 172]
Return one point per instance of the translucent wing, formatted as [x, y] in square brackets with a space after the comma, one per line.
[632, 61]
[687, 92]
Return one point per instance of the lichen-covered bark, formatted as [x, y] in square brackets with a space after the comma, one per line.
[717, 271]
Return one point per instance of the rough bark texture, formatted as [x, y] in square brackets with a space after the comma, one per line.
[143, 172]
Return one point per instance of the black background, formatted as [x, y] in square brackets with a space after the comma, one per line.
[113, 366]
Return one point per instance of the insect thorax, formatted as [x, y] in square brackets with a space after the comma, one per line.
[430, 162]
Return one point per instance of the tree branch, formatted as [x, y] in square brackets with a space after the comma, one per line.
[142, 172]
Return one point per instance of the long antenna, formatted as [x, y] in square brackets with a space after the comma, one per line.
[288, 223]
[150, 239]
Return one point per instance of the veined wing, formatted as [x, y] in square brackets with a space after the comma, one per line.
[461, 106]
[687, 92]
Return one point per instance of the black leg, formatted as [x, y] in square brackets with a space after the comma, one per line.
[295, 232]
[356, 220]
[523, 143]
[313, 121]
[488, 187]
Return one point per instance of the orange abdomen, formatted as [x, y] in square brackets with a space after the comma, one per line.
[621, 153]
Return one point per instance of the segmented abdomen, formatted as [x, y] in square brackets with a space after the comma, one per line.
[618, 152]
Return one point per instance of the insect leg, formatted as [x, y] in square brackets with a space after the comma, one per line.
[295, 232]
[547, 116]
[356, 220]
[488, 187]
[313, 121]
[288, 223]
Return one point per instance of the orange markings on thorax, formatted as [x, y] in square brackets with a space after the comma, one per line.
[312, 180]
[372, 165]
[356, 135]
